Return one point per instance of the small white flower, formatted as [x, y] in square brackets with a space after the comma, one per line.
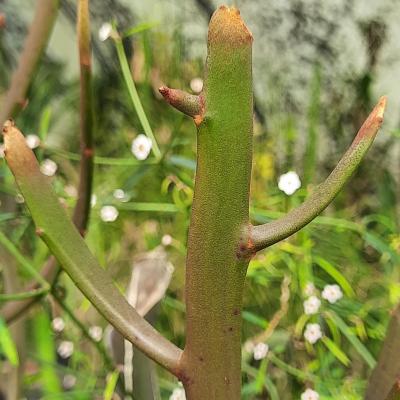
[310, 394]
[65, 349]
[69, 381]
[166, 240]
[2, 150]
[311, 305]
[141, 147]
[108, 213]
[332, 293]
[178, 394]
[260, 351]
[58, 324]
[19, 199]
[93, 200]
[32, 141]
[313, 333]
[105, 31]
[48, 167]
[289, 182]
[309, 289]
[71, 191]
[96, 333]
[119, 194]
[196, 84]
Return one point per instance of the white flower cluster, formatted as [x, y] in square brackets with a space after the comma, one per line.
[32, 141]
[65, 349]
[58, 324]
[48, 167]
[120, 195]
[96, 333]
[310, 394]
[108, 213]
[69, 381]
[289, 182]
[196, 84]
[332, 293]
[141, 147]
[260, 351]
[313, 333]
[166, 240]
[312, 305]
[105, 31]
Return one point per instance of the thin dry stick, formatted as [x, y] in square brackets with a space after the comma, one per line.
[15, 99]
[35, 43]
[277, 317]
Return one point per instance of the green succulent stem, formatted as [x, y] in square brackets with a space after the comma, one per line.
[266, 235]
[215, 272]
[64, 241]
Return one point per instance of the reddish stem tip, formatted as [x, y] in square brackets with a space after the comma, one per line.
[227, 26]
[8, 125]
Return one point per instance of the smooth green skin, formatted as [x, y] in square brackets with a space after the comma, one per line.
[215, 274]
[64, 241]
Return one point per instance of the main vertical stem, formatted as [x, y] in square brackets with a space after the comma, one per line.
[215, 268]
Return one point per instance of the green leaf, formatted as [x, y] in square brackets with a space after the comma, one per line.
[46, 353]
[336, 351]
[7, 344]
[336, 275]
[353, 339]
[254, 319]
[144, 26]
[133, 94]
[112, 380]
[44, 123]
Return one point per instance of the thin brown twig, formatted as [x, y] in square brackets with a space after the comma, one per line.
[277, 317]
[35, 43]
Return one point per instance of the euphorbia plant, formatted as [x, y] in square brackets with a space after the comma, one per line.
[221, 239]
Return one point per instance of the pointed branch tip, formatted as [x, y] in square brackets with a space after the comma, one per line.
[187, 103]
[8, 125]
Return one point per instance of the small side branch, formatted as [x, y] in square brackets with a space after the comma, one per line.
[266, 235]
[189, 104]
[35, 43]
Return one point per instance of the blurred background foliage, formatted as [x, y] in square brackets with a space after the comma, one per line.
[318, 69]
